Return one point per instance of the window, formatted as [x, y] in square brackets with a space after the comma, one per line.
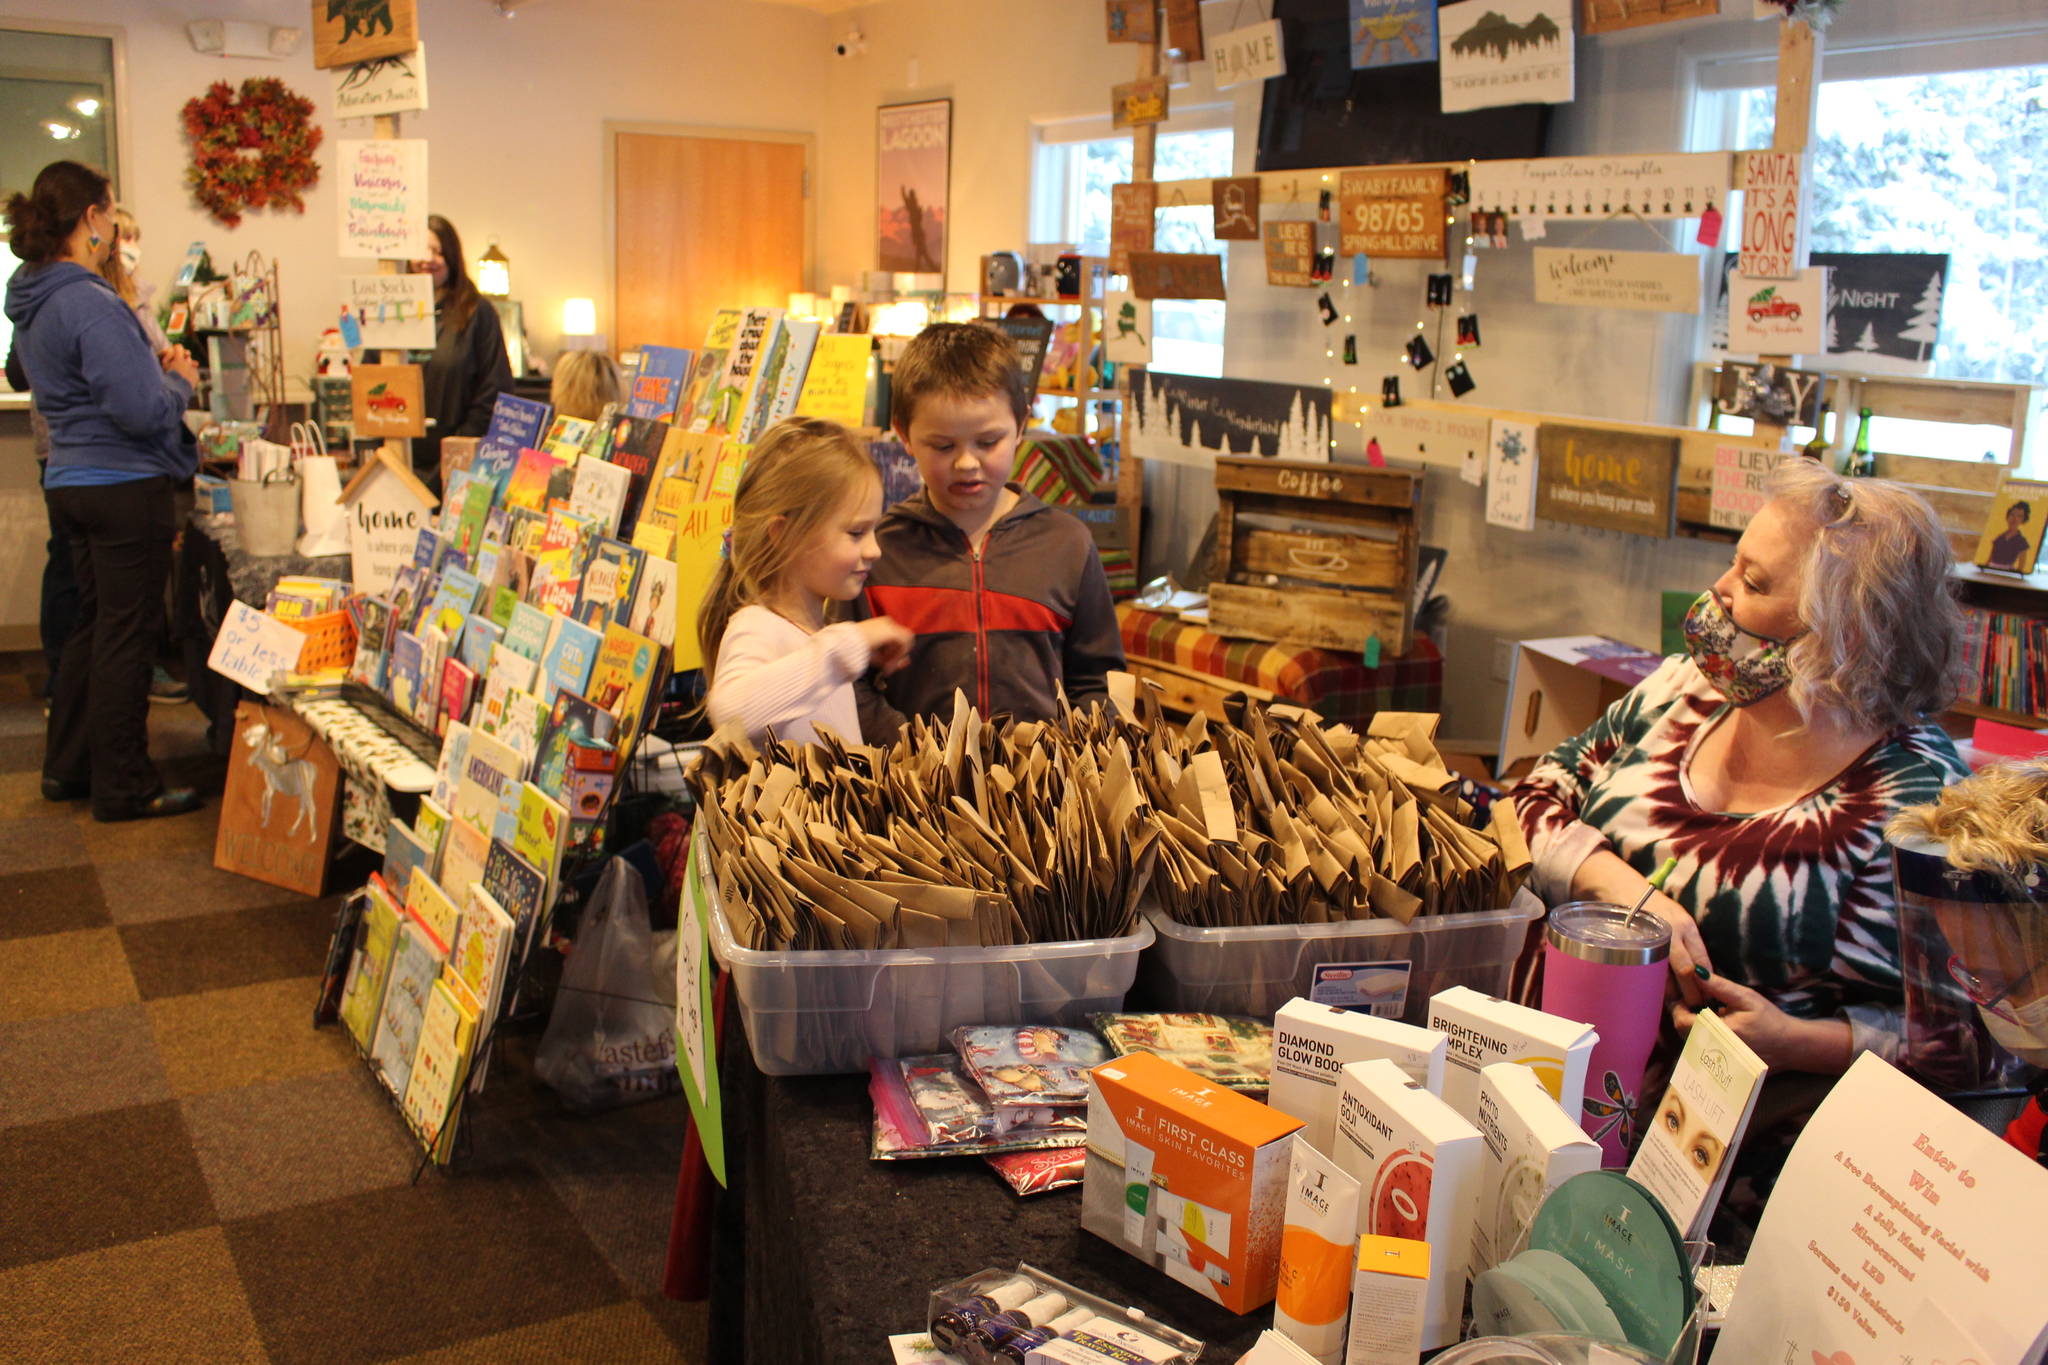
[1071, 176]
[57, 102]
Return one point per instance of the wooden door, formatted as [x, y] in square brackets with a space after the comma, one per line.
[702, 223]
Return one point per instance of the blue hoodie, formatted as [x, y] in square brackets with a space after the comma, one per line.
[114, 414]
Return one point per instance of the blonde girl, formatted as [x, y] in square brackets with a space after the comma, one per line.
[803, 535]
[584, 382]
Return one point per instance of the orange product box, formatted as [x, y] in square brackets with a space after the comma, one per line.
[1188, 1176]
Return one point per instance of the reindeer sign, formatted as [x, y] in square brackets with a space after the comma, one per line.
[277, 814]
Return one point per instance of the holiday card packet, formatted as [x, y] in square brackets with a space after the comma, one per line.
[1187, 1176]
[1532, 1147]
[1030, 1066]
[1227, 1050]
[1417, 1161]
[1483, 1030]
[1313, 1043]
[1690, 1141]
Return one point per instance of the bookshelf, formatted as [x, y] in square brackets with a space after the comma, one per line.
[2002, 601]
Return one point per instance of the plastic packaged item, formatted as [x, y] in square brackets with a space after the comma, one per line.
[1229, 1051]
[1033, 1065]
[956, 1310]
[1051, 1168]
[830, 1013]
[1256, 970]
[928, 1107]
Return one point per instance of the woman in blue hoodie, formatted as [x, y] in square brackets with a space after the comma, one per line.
[117, 448]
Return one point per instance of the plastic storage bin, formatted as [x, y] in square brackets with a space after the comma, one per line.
[1255, 971]
[826, 1013]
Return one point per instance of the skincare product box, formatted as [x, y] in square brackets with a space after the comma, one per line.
[1313, 1042]
[1692, 1135]
[1532, 1147]
[1482, 1030]
[1313, 1304]
[1389, 1301]
[1187, 1176]
[1417, 1163]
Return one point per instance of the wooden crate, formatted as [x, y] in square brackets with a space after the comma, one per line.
[1345, 578]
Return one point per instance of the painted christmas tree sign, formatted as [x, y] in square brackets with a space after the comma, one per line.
[1883, 309]
[1184, 419]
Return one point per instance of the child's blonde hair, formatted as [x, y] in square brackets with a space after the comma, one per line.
[584, 382]
[115, 271]
[801, 472]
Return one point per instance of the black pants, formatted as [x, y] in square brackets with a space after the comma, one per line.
[60, 604]
[120, 538]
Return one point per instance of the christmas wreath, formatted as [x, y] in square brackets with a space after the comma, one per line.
[252, 150]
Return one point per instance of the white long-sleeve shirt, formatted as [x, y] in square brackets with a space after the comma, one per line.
[774, 675]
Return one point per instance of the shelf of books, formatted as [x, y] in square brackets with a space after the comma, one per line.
[2005, 646]
[529, 635]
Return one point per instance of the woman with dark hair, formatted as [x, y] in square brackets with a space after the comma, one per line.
[118, 448]
[469, 367]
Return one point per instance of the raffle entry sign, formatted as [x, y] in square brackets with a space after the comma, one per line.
[1397, 214]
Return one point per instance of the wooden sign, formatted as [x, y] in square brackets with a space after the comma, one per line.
[1137, 102]
[386, 85]
[1613, 480]
[1423, 431]
[1131, 210]
[1393, 213]
[1511, 475]
[277, 811]
[1253, 53]
[388, 400]
[349, 31]
[1184, 28]
[1778, 317]
[1191, 420]
[1235, 205]
[1611, 16]
[1770, 393]
[1133, 21]
[1290, 253]
[1737, 491]
[1126, 328]
[392, 311]
[1642, 281]
[1176, 275]
[1773, 230]
[384, 198]
[1495, 52]
[1599, 186]
[388, 507]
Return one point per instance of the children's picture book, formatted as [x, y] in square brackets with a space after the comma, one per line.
[836, 386]
[433, 654]
[405, 854]
[657, 383]
[430, 823]
[766, 380]
[518, 421]
[458, 685]
[517, 886]
[462, 862]
[622, 678]
[654, 601]
[527, 633]
[601, 492]
[480, 635]
[362, 997]
[494, 463]
[525, 720]
[453, 601]
[757, 331]
[587, 783]
[404, 596]
[446, 1033]
[803, 336]
[638, 444]
[447, 772]
[542, 834]
[504, 601]
[427, 902]
[709, 369]
[567, 438]
[407, 665]
[373, 643]
[572, 719]
[415, 962]
[653, 538]
[491, 773]
[528, 486]
[571, 652]
[610, 583]
[483, 947]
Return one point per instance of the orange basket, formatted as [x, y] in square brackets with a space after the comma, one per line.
[330, 641]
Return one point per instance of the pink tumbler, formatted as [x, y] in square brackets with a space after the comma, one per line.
[1604, 969]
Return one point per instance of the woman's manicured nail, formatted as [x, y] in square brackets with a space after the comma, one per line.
[1701, 972]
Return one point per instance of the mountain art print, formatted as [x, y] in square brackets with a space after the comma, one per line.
[1496, 52]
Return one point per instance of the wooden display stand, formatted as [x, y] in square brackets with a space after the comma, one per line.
[1338, 589]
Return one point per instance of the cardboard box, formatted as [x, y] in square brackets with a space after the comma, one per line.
[1483, 1030]
[1419, 1163]
[1314, 1042]
[1532, 1147]
[1559, 686]
[1188, 1177]
[1389, 1301]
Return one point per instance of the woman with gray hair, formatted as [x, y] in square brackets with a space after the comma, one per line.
[1767, 761]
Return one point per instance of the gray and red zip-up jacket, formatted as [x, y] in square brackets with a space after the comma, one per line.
[1030, 611]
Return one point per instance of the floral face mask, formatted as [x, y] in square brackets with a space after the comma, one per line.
[1743, 666]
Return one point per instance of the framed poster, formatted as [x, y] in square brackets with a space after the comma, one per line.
[1185, 419]
[913, 174]
[1613, 480]
[347, 33]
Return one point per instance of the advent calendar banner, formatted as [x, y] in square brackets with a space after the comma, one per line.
[1682, 186]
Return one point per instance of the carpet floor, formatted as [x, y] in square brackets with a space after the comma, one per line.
[189, 1171]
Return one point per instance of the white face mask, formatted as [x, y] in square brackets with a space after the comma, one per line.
[2026, 1039]
[131, 255]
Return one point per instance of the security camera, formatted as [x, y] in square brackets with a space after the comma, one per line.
[852, 45]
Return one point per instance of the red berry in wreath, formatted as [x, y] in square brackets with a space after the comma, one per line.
[253, 150]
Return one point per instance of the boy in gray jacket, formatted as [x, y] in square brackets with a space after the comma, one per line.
[1006, 594]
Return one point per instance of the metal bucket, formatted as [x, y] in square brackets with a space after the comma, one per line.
[266, 514]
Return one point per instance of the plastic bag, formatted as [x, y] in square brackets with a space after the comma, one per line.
[611, 1040]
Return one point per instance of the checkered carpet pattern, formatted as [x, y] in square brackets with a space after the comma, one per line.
[189, 1171]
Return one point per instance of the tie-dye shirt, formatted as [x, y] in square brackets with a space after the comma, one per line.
[1795, 902]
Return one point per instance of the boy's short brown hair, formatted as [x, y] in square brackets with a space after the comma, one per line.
[958, 360]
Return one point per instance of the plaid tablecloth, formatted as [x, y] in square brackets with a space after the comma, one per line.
[1336, 686]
